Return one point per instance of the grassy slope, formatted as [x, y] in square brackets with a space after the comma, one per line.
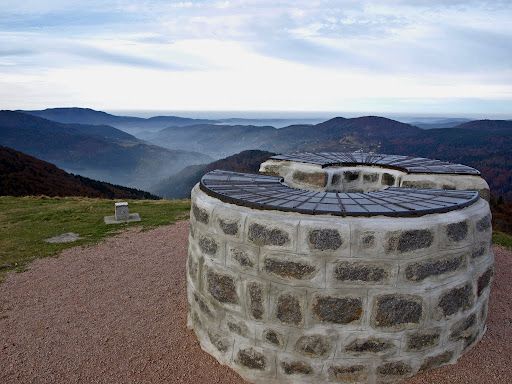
[26, 221]
[503, 239]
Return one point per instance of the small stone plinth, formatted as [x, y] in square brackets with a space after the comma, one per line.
[122, 211]
[294, 297]
[121, 215]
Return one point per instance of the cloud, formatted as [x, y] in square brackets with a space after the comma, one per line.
[30, 51]
[10, 52]
[415, 49]
[105, 56]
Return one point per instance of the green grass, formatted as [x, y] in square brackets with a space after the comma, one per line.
[26, 221]
[503, 239]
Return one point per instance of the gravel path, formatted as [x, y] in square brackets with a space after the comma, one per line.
[116, 313]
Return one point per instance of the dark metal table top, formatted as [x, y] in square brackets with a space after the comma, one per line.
[269, 193]
[407, 164]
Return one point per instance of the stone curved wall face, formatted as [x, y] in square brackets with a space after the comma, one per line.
[291, 298]
[366, 178]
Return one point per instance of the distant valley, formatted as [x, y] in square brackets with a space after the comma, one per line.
[96, 151]
[165, 154]
[24, 175]
[180, 185]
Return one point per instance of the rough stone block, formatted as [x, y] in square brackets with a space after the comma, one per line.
[263, 235]
[296, 368]
[484, 224]
[456, 299]
[325, 239]
[256, 295]
[271, 169]
[484, 281]
[191, 230]
[229, 226]
[422, 340]
[315, 179]
[483, 312]
[200, 214]
[386, 238]
[238, 327]
[276, 234]
[397, 311]
[292, 270]
[314, 346]
[242, 257]
[367, 240]
[289, 309]
[222, 287]
[336, 180]
[289, 269]
[370, 177]
[463, 329]
[483, 229]
[194, 264]
[219, 341]
[208, 245]
[350, 176]
[388, 179]
[360, 273]
[422, 270]
[410, 240]
[322, 237]
[370, 241]
[471, 339]
[457, 231]
[251, 359]
[274, 338]
[343, 373]
[394, 369]
[420, 184]
[371, 345]
[337, 310]
[436, 360]
[216, 344]
[203, 307]
[479, 250]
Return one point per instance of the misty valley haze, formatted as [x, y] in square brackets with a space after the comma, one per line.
[167, 154]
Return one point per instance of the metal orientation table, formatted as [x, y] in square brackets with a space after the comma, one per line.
[269, 193]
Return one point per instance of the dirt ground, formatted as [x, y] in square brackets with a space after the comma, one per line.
[116, 313]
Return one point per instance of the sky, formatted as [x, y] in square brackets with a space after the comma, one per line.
[424, 57]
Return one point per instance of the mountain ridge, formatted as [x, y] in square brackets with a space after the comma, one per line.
[129, 123]
[483, 144]
[83, 149]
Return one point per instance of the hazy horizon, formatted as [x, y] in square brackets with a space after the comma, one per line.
[287, 114]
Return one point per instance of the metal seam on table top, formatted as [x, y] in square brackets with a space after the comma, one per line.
[269, 193]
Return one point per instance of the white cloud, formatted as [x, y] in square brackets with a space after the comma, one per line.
[254, 54]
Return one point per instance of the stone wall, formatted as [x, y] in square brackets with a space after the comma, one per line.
[364, 178]
[285, 297]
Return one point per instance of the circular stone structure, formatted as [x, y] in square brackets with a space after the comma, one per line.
[363, 172]
[292, 280]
